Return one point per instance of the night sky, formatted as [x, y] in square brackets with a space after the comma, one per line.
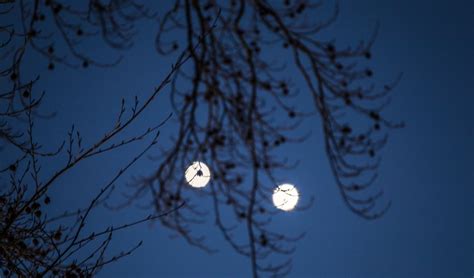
[426, 170]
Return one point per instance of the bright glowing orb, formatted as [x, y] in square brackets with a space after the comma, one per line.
[285, 197]
[197, 174]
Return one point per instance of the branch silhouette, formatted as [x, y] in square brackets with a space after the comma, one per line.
[230, 103]
[233, 111]
[32, 242]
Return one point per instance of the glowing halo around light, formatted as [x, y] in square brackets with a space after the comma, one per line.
[198, 174]
[285, 197]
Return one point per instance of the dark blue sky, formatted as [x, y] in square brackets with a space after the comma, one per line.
[426, 169]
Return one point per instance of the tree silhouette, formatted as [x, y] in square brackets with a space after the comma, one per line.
[242, 90]
[228, 101]
[34, 243]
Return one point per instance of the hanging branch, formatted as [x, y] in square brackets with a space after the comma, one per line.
[232, 112]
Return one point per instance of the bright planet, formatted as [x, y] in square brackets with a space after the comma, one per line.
[197, 174]
[285, 197]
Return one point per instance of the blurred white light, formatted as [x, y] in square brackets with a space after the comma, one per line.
[198, 174]
[285, 197]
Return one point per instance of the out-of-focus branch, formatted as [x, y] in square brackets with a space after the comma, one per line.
[233, 118]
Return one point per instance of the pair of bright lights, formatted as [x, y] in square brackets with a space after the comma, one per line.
[285, 196]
